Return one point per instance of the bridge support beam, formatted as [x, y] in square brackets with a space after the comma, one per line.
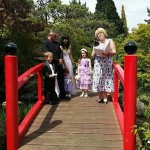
[11, 90]
[130, 96]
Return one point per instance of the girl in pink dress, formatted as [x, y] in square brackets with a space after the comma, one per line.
[84, 71]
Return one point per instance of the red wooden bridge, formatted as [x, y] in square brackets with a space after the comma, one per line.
[77, 124]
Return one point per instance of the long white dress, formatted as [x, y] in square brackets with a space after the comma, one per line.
[70, 68]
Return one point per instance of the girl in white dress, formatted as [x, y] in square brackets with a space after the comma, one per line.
[68, 59]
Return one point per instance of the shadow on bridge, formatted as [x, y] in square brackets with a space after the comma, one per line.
[80, 123]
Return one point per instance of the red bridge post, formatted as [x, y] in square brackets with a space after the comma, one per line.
[130, 94]
[11, 88]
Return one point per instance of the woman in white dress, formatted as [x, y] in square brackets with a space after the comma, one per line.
[68, 59]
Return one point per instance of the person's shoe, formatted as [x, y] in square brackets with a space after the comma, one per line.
[69, 95]
[100, 101]
[52, 102]
[86, 95]
[64, 98]
[109, 97]
[105, 101]
[82, 95]
[46, 101]
[57, 99]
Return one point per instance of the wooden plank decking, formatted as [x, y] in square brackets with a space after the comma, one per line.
[78, 124]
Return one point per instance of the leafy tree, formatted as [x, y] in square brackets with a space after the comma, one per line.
[141, 36]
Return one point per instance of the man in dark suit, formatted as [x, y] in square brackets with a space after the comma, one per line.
[51, 45]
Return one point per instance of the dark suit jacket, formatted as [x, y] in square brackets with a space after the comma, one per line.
[47, 70]
[53, 47]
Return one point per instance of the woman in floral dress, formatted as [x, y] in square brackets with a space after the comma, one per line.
[103, 77]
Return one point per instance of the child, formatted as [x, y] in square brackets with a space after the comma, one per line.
[84, 71]
[68, 84]
[49, 72]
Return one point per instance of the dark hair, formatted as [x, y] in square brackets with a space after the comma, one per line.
[81, 56]
[62, 41]
[66, 71]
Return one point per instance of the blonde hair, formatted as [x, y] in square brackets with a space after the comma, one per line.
[47, 54]
[100, 30]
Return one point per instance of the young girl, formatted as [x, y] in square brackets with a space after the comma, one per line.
[84, 71]
[68, 83]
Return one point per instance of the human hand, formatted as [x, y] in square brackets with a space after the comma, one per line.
[60, 61]
[93, 54]
[55, 74]
[52, 75]
[105, 53]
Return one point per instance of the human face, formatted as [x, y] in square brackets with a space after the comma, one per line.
[101, 37]
[53, 36]
[50, 58]
[65, 41]
[83, 54]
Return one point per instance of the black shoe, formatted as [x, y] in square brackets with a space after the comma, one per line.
[46, 101]
[57, 99]
[52, 102]
[109, 98]
[100, 101]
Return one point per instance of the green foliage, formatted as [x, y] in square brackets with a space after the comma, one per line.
[24, 109]
[144, 134]
[147, 112]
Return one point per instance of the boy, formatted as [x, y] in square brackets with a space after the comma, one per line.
[49, 72]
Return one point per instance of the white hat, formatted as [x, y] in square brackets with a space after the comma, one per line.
[83, 49]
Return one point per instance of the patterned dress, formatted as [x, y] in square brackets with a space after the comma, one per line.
[68, 83]
[103, 77]
[85, 73]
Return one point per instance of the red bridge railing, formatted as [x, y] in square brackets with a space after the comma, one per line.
[14, 131]
[13, 83]
[128, 78]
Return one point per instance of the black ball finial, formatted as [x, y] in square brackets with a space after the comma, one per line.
[10, 48]
[130, 47]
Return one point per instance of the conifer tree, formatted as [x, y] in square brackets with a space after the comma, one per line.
[124, 21]
[148, 21]
[106, 10]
